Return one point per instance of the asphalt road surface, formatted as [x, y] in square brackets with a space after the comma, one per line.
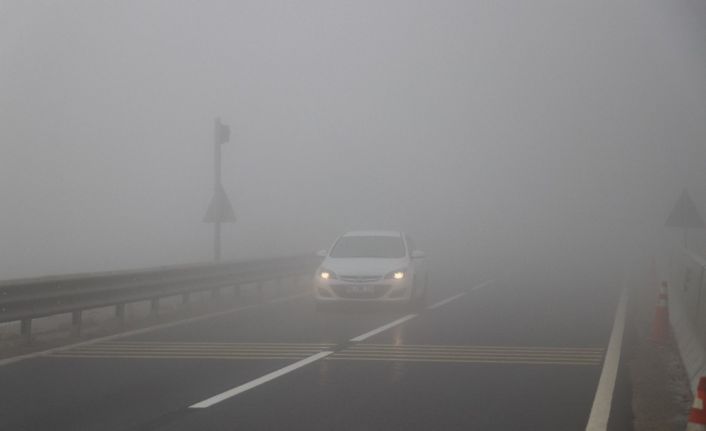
[496, 352]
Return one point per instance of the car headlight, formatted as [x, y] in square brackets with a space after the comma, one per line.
[396, 275]
[325, 274]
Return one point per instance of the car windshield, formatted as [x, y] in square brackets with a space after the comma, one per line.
[369, 246]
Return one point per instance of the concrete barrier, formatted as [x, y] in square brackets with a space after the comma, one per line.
[687, 311]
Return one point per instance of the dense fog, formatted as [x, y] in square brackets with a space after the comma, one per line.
[487, 130]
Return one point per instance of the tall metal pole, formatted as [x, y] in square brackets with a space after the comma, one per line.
[217, 186]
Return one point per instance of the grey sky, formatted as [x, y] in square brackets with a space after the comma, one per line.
[472, 125]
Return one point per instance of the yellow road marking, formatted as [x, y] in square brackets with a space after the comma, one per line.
[170, 343]
[356, 352]
[471, 350]
[185, 350]
[474, 355]
[456, 347]
[481, 354]
[108, 349]
[180, 356]
[182, 352]
[466, 361]
[466, 355]
[196, 348]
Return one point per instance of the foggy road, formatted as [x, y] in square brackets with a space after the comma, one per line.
[533, 150]
[519, 350]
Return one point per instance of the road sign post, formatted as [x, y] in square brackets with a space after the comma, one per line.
[219, 210]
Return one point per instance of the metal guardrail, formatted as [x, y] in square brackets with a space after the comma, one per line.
[25, 300]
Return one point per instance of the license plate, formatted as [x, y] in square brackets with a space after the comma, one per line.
[361, 289]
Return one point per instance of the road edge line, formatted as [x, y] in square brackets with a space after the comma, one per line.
[600, 410]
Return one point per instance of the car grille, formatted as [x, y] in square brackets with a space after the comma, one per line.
[361, 292]
[359, 278]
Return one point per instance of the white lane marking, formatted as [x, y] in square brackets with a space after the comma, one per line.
[282, 371]
[446, 301]
[600, 411]
[383, 328]
[259, 381]
[482, 285]
[412, 316]
[455, 297]
[14, 359]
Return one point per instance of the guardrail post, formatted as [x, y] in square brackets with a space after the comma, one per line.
[154, 306]
[76, 323]
[120, 313]
[26, 330]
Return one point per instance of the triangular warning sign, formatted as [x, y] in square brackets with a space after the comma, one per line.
[220, 210]
[685, 215]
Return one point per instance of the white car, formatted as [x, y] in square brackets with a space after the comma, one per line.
[371, 266]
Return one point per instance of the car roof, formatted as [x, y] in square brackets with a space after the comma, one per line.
[373, 233]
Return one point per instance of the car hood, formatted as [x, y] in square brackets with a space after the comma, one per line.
[363, 266]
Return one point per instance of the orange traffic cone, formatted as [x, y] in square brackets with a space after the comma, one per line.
[660, 324]
[697, 417]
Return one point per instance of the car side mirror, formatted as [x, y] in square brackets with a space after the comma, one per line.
[418, 254]
[322, 253]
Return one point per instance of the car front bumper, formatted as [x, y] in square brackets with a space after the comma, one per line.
[380, 291]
